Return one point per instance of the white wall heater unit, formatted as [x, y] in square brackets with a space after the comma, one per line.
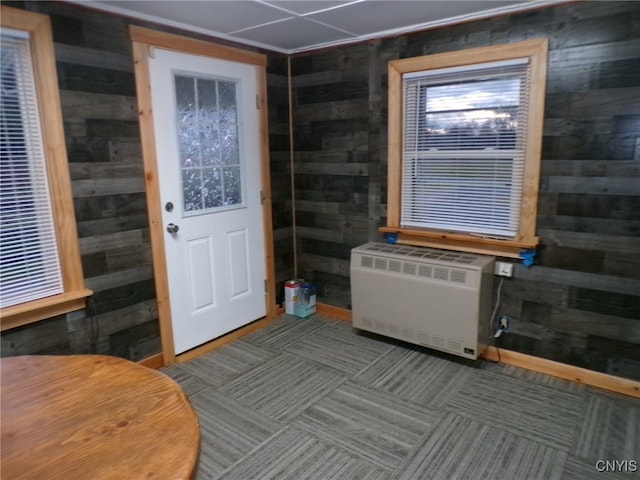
[435, 298]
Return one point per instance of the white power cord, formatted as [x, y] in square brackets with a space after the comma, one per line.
[493, 314]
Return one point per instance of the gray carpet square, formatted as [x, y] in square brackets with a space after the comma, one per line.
[188, 382]
[415, 375]
[459, 448]
[284, 386]
[227, 362]
[310, 398]
[610, 429]
[374, 425]
[536, 412]
[228, 431]
[535, 377]
[286, 331]
[338, 347]
[296, 455]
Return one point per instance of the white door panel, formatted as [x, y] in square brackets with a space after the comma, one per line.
[208, 153]
[238, 248]
[199, 269]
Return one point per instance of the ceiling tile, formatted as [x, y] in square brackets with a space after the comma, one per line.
[221, 16]
[287, 34]
[369, 17]
[303, 7]
[291, 26]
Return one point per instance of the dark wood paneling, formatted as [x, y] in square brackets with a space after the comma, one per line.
[95, 79]
[329, 92]
[123, 296]
[81, 149]
[109, 128]
[607, 303]
[581, 298]
[573, 306]
[109, 206]
[280, 169]
[95, 74]
[619, 73]
[66, 30]
[99, 108]
[108, 226]
[48, 337]
[137, 342]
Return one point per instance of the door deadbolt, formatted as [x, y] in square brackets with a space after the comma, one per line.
[168, 207]
[172, 228]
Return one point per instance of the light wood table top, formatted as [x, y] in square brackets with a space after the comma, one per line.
[93, 417]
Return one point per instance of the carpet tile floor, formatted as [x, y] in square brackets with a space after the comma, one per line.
[315, 399]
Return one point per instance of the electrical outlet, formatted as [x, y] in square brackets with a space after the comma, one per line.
[504, 269]
[504, 323]
[503, 326]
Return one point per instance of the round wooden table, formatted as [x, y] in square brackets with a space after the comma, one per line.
[94, 417]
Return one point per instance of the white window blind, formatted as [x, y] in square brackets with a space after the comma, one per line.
[29, 263]
[464, 134]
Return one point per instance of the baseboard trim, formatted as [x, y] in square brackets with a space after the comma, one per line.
[332, 311]
[225, 339]
[155, 361]
[592, 378]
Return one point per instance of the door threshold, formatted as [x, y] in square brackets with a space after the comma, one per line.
[224, 339]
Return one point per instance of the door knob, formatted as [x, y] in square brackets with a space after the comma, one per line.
[172, 228]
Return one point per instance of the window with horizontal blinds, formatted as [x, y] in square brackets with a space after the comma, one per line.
[29, 262]
[463, 152]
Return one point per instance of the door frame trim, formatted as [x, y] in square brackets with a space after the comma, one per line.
[143, 40]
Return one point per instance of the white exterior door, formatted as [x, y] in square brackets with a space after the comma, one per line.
[206, 125]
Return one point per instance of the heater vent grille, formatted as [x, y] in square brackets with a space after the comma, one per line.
[429, 297]
[413, 269]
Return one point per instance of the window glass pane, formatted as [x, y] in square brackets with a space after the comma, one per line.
[192, 186]
[463, 151]
[474, 95]
[212, 188]
[228, 124]
[472, 115]
[187, 121]
[230, 147]
[207, 119]
[228, 106]
[232, 190]
[450, 191]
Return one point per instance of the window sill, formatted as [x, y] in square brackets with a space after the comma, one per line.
[462, 242]
[18, 315]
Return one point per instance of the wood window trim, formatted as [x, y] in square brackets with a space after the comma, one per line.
[53, 141]
[536, 50]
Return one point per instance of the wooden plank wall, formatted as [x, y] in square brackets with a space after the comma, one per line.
[280, 162]
[580, 303]
[336, 170]
[99, 108]
[97, 89]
